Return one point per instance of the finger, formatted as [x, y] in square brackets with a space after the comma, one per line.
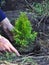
[8, 48]
[14, 50]
[2, 48]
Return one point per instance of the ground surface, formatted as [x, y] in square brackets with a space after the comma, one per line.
[42, 58]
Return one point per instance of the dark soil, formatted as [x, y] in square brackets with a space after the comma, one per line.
[17, 4]
[40, 52]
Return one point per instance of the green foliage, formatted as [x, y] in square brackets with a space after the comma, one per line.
[41, 8]
[7, 56]
[38, 8]
[29, 61]
[22, 31]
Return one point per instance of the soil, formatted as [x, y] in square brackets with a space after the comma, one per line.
[18, 5]
[39, 55]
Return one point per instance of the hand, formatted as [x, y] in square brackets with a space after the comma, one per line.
[5, 45]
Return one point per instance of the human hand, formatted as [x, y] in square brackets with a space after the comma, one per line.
[5, 45]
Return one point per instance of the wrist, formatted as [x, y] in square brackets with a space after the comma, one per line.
[6, 24]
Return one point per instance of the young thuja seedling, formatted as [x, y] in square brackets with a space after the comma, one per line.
[22, 31]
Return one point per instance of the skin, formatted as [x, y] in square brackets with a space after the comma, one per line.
[5, 45]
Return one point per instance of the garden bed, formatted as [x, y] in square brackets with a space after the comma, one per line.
[39, 24]
[41, 53]
[37, 53]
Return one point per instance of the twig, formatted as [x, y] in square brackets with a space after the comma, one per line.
[7, 63]
[33, 57]
[44, 34]
[42, 19]
[29, 4]
[44, 24]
